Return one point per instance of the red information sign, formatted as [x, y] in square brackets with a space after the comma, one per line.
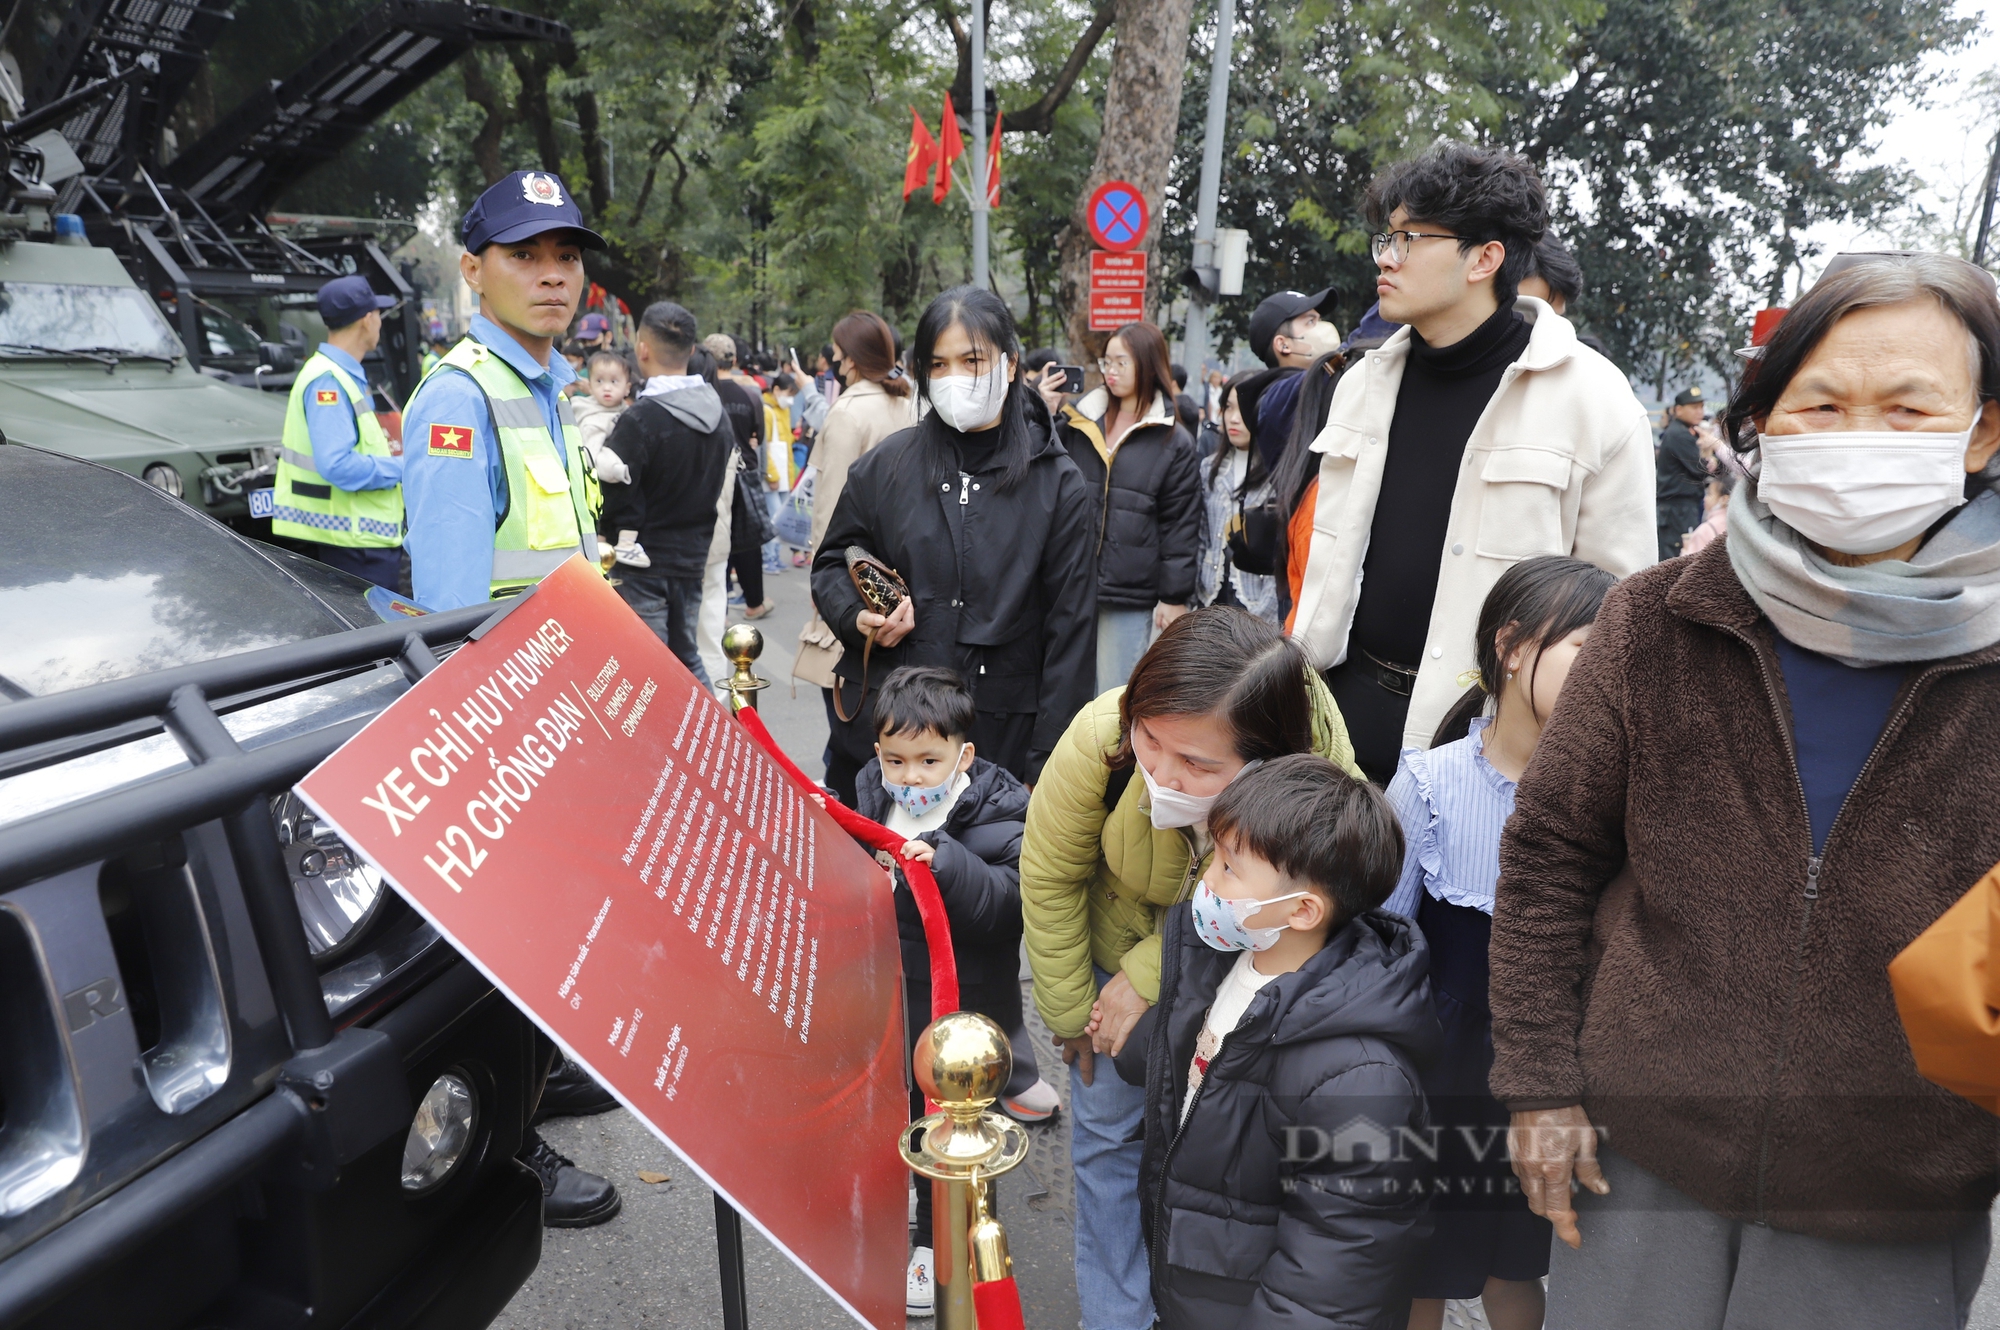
[592, 830]
[1117, 290]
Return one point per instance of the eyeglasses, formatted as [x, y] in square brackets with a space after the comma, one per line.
[1106, 364]
[1397, 243]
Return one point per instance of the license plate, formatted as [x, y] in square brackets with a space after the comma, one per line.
[261, 503]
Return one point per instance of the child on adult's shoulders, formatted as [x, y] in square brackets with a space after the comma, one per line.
[1285, 1176]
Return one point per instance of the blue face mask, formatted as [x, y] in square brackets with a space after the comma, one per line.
[1220, 922]
[916, 800]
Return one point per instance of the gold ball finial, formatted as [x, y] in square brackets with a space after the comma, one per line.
[742, 643]
[963, 1059]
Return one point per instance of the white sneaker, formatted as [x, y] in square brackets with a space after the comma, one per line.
[1037, 1103]
[919, 1296]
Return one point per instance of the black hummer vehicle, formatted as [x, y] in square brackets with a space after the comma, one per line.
[241, 1083]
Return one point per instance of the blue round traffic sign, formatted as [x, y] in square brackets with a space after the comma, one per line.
[1118, 216]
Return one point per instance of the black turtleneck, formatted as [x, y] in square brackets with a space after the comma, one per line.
[1444, 390]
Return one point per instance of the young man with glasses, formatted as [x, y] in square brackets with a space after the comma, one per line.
[1480, 434]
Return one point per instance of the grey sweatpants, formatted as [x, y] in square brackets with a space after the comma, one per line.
[1654, 1259]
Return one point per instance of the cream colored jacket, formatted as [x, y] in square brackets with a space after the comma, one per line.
[1560, 462]
[863, 416]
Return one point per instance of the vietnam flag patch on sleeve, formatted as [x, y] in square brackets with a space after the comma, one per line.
[451, 441]
[326, 397]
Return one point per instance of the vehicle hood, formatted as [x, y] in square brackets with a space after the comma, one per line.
[140, 408]
[104, 577]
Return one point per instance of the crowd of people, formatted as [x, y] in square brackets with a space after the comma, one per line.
[1526, 810]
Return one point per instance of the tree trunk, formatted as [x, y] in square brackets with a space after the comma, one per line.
[479, 90]
[1142, 109]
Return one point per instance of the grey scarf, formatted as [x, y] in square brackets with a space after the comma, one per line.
[1943, 602]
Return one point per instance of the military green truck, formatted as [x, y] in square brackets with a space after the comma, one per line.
[89, 367]
[143, 280]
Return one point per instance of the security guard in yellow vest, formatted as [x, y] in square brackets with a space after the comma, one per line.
[494, 482]
[338, 487]
[495, 477]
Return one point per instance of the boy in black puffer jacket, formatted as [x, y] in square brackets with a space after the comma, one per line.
[1286, 1169]
[964, 816]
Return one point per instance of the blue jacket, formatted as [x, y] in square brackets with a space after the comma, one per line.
[452, 504]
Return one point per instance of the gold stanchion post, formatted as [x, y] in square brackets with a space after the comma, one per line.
[962, 1062]
[742, 643]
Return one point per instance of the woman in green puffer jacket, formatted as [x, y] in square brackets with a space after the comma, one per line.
[1106, 852]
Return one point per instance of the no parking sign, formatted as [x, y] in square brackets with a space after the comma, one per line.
[1118, 216]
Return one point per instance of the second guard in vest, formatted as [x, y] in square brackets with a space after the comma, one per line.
[338, 487]
[495, 477]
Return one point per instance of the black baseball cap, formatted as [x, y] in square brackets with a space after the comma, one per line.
[1280, 309]
[1689, 396]
[346, 300]
[524, 204]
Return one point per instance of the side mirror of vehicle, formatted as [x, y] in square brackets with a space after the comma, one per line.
[277, 357]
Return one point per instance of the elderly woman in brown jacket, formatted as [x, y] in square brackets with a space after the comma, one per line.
[1772, 768]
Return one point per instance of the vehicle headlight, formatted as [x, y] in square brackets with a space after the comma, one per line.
[337, 893]
[163, 477]
[444, 1126]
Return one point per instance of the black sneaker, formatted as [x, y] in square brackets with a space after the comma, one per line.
[571, 1198]
[571, 1092]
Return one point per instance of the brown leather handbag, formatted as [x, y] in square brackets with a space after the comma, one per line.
[881, 589]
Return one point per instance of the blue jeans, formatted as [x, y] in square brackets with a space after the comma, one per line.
[669, 606]
[1122, 637]
[1114, 1288]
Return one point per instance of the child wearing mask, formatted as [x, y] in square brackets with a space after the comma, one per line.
[1280, 1183]
[1453, 799]
[964, 817]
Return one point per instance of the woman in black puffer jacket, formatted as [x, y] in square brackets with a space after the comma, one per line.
[1141, 466]
[989, 523]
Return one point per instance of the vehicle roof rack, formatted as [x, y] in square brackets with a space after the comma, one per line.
[236, 171]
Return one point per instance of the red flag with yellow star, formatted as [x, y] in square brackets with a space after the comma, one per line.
[951, 147]
[921, 157]
[451, 441]
[993, 165]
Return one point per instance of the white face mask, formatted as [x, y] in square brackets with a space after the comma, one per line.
[1321, 338]
[1860, 492]
[1174, 808]
[970, 401]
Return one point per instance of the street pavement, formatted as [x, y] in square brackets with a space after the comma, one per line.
[654, 1265]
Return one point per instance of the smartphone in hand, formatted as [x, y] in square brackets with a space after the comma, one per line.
[1065, 378]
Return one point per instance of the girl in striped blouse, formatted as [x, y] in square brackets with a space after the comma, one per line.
[1453, 799]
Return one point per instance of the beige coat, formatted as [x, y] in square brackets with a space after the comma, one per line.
[863, 417]
[1560, 462]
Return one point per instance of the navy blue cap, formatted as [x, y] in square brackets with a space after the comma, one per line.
[524, 204]
[346, 299]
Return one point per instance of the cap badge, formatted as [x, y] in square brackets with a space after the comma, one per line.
[541, 189]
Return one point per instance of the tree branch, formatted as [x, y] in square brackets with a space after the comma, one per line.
[1038, 117]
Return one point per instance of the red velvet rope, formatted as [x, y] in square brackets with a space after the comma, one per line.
[923, 887]
[997, 1305]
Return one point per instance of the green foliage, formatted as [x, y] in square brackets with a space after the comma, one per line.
[743, 157]
[1322, 93]
[1693, 141]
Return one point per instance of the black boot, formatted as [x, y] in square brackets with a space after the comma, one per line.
[570, 1092]
[571, 1198]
